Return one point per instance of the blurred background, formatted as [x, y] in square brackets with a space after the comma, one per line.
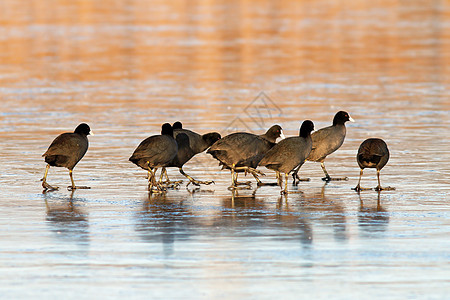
[125, 67]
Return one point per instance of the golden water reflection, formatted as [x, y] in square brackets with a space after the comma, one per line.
[125, 67]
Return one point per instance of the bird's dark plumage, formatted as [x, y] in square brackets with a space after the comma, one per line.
[372, 153]
[240, 151]
[243, 148]
[290, 152]
[156, 151]
[327, 140]
[197, 142]
[185, 152]
[67, 150]
[177, 125]
[189, 144]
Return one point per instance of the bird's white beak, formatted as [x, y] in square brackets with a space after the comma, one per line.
[351, 119]
[282, 137]
[91, 133]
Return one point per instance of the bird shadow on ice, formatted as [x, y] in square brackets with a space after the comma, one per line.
[373, 219]
[66, 219]
[164, 219]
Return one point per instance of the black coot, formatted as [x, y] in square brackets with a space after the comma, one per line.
[197, 142]
[242, 151]
[155, 152]
[372, 153]
[190, 144]
[326, 141]
[66, 151]
[289, 153]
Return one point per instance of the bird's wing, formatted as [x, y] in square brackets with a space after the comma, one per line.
[63, 144]
[240, 148]
[152, 146]
[274, 155]
[321, 135]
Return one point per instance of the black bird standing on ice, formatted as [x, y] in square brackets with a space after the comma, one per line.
[190, 144]
[197, 142]
[242, 152]
[67, 150]
[289, 153]
[326, 141]
[156, 152]
[372, 153]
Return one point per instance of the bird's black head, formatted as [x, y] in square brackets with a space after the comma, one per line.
[273, 133]
[166, 129]
[211, 138]
[177, 125]
[83, 128]
[341, 117]
[306, 128]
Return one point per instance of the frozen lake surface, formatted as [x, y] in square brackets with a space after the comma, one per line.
[223, 66]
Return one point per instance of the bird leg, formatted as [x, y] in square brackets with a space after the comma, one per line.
[233, 180]
[279, 179]
[151, 178]
[379, 188]
[152, 181]
[247, 183]
[193, 181]
[285, 191]
[168, 183]
[45, 185]
[358, 188]
[260, 183]
[168, 180]
[296, 177]
[327, 177]
[286, 179]
[74, 187]
[254, 172]
[250, 170]
[235, 183]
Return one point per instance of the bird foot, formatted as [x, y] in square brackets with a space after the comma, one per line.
[358, 188]
[298, 179]
[388, 188]
[72, 188]
[156, 188]
[253, 171]
[170, 184]
[198, 182]
[173, 185]
[328, 178]
[248, 183]
[267, 183]
[48, 187]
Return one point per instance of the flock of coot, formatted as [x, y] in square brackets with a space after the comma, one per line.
[239, 152]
